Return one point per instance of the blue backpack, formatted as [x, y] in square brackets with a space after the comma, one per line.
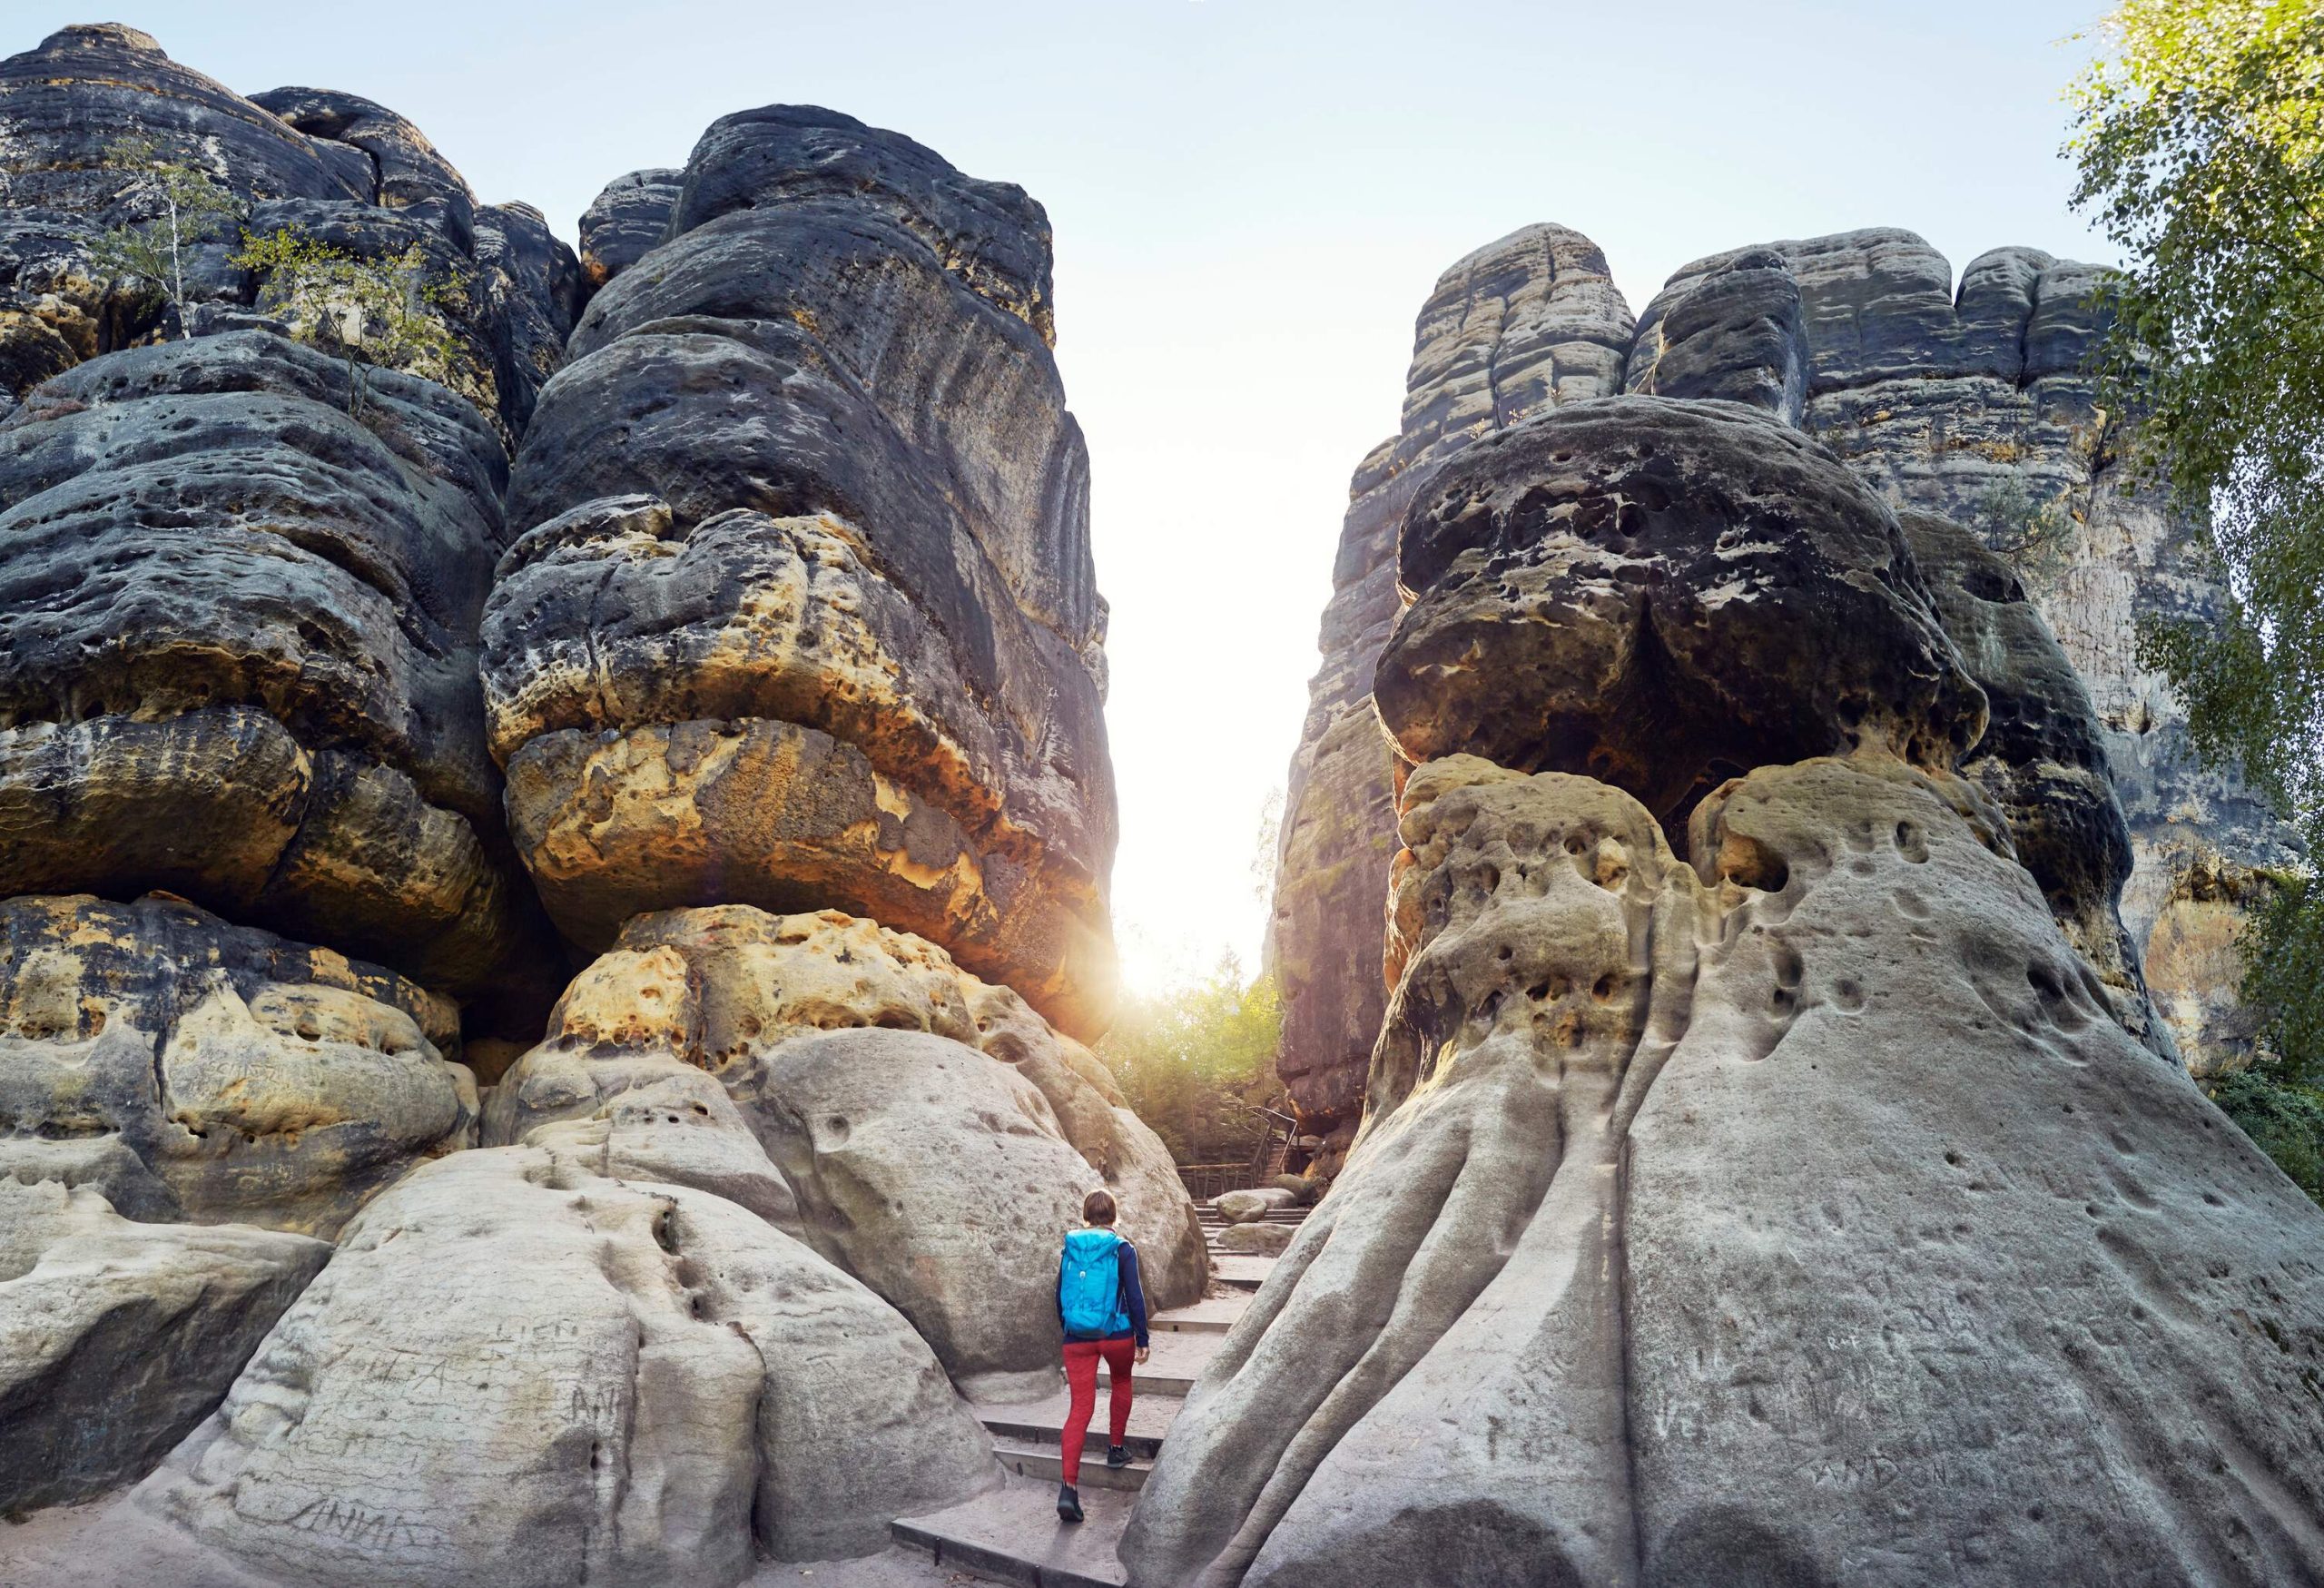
[1090, 1286]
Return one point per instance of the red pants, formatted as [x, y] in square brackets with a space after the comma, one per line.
[1081, 1375]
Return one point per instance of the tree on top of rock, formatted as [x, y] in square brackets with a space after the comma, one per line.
[372, 312]
[179, 204]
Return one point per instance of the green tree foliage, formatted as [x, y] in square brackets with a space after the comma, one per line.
[182, 205]
[1196, 1062]
[2200, 138]
[386, 313]
[2286, 1122]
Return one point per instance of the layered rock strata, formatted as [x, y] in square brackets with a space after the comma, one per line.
[238, 659]
[626, 222]
[1789, 1202]
[191, 1069]
[334, 166]
[1966, 403]
[1972, 402]
[816, 464]
[1517, 327]
[774, 1190]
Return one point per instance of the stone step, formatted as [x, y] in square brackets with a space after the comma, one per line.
[1243, 1273]
[1214, 1315]
[1040, 1421]
[1014, 1535]
[1209, 1219]
[1033, 1459]
[1171, 1367]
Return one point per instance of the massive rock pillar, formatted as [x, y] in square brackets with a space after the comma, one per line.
[1965, 404]
[1516, 328]
[1760, 1180]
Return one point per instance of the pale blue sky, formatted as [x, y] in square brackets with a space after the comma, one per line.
[1251, 197]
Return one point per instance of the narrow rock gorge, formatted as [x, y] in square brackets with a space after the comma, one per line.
[547, 915]
[554, 903]
[1964, 403]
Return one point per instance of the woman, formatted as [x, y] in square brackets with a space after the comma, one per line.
[1101, 1306]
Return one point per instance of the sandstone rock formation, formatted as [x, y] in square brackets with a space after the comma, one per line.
[1788, 1205]
[1521, 325]
[774, 1190]
[936, 1133]
[516, 1370]
[626, 222]
[117, 1338]
[2043, 759]
[1662, 595]
[336, 166]
[810, 481]
[215, 1073]
[1967, 404]
[1971, 403]
[240, 658]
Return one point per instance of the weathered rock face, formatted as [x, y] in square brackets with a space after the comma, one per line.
[1801, 1213]
[1970, 402]
[1967, 404]
[1529, 322]
[1794, 1203]
[936, 1135]
[859, 577]
[626, 222]
[215, 1073]
[773, 1187]
[238, 659]
[2043, 759]
[1662, 595]
[516, 1370]
[339, 167]
[117, 1338]
[61, 106]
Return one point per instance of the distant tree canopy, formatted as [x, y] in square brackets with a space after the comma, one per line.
[2200, 141]
[1195, 1061]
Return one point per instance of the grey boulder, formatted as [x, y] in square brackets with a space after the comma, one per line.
[516, 1370]
[117, 1338]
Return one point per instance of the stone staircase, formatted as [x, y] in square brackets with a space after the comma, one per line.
[1013, 1536]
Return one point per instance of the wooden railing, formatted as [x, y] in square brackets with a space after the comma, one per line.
[1206, 1181]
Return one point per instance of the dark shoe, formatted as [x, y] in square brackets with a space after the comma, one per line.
[1117, 1455]
[1069, 1503]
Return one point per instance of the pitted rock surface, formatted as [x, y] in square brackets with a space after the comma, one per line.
[957, 1160]
[253, 1079]
[1967, 403]
[794, 731]
[1805, 1209]
[1970, 401]
[240, 658]
[835, 381]
[1525, 324]
[1663, 595]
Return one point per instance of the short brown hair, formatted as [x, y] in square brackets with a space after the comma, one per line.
[1098, 1208]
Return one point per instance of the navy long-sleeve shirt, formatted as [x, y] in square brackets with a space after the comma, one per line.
[1133, 1293]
